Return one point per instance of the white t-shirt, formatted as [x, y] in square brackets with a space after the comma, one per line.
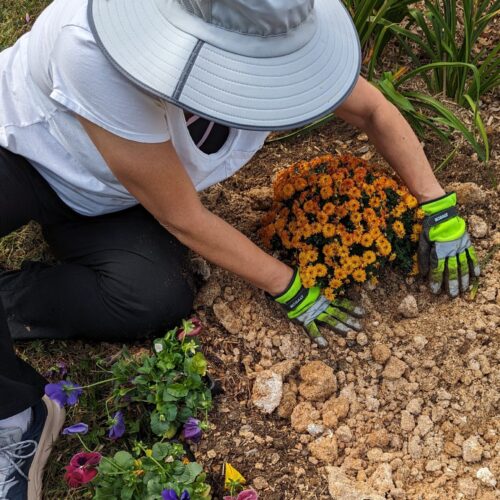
[58, 70]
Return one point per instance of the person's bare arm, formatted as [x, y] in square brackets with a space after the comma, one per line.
[367, 109]
[154, 175]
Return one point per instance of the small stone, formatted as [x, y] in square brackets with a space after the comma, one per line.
[420, 341]
[486, 477]
[344, 433]
[267, 391]
[414, 406]
[407, 421]
[452, 449]
[260, 483]
[285, 367]
[289, 348]
[408, 307]
[472, 451]
[362, 339]
[381, 480]
[467, 487]
[394, 369]
[342, 487]
[477, 226]
[433, 466]
[334, 410]
[303, 415]
[325, 449]
[378, 439]
[424, 425]
[287, 404]
[318, 381]
[315, 429]
[415, 447]
[211, 454]
[381, 353]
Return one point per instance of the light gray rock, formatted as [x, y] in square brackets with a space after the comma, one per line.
[267, 391]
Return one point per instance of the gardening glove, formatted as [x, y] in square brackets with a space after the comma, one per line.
[310, 308]
[445, 251]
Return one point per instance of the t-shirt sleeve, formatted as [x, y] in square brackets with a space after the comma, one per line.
[86, 83]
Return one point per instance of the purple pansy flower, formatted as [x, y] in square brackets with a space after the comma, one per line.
[79, 428]
[117, 430]
[64, 392]
[169, 495]
[185, 495]
[192, 430]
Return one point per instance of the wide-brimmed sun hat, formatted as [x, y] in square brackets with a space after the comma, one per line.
[251, 64]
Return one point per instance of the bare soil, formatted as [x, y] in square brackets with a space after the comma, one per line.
[450, 351]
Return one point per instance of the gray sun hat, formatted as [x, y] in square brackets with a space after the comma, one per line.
[251, 64]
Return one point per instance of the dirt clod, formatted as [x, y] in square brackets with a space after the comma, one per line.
[394, 369]
[343, 487]
[408, 307]
[303, 415]
[324, 449]
[472, 451]
[381, 353]
[318, 381]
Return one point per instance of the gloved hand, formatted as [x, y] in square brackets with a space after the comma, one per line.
[309, 307]
[445, 251]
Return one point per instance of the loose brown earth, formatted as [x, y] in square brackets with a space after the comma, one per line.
[407, 421]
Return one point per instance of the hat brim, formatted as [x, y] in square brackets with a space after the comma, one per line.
[268, 93]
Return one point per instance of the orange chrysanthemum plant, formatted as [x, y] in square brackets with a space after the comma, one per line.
[339, 219]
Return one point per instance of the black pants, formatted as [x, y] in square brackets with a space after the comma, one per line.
[20, 385]
[120, 276]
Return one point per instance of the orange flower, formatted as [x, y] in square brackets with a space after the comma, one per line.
[326, 192]
[356, 218]
[322, 217]
[299, 184]
[352, 205]
[288, 191]
[335, 283]
[399, 229]
[324, 180]
[328, 230]
[329, 208]
[369, 257]
[359, 275]
[310, 207]
[366, 240]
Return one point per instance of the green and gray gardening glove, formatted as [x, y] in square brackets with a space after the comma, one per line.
[445, 251]
[310, 308]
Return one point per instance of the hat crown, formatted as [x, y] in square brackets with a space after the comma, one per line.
[263, 18]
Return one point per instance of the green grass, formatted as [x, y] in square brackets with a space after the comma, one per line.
[13, 18]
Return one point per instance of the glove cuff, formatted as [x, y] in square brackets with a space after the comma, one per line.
[439, 204]
[296, 298]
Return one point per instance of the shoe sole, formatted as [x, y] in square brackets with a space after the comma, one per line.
[50, 433]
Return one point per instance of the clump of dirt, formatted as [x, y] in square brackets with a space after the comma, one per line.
[407, 409]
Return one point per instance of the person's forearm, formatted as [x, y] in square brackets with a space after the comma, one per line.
[223, 245]
[395, 140]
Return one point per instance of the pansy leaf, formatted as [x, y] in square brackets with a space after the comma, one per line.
[189, 474]
[177, 390]
[161, 450]
[124, 459]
